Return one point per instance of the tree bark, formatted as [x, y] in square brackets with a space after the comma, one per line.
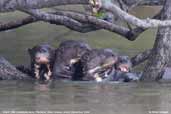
[159, 58]
[9, 72]
[141, 57]
[12, 5]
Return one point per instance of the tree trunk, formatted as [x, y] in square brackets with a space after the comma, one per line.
[160, 54]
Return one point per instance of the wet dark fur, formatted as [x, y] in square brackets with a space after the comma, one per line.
[41, 48]
[68, 50]
[94, 58]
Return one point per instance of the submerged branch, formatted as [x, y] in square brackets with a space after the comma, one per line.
[9, 72]
[136, 60]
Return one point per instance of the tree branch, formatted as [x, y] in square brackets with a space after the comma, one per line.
[130, 34]
[9, 71]
[140, 57]
[12, 5]
[71, 22]
[144, 23]
[17, 23]
[60, 20]
[84, 28]
[125, 32]
[77, 21]
[99, 23]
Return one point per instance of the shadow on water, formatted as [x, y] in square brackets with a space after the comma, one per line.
[96, 98]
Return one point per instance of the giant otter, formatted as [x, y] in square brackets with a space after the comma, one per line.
[123, 71]
[124, 64]
[98, 63]
[67, 60]
[42, 59]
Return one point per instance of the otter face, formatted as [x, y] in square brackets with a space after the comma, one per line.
[41, 61]
[124, 64]
[40, 54]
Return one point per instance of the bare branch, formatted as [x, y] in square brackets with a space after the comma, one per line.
[130, 34]
[75, 21]
[17, 23]
[144, 23]
[125, 32]
[84, 28]
[140, 57]
[70, 21]
[94, 21]
[59, 20]
[12, 5]
[23, 4]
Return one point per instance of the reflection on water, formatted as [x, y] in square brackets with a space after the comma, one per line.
[104, 98]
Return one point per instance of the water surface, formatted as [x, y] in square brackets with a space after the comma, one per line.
[95, 98]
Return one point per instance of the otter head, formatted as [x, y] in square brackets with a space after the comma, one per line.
[124, 64]
[40, 54]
